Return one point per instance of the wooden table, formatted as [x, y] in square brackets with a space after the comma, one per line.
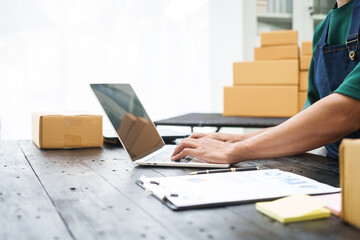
[91, 194]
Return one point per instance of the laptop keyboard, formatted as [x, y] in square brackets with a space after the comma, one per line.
[165, 157]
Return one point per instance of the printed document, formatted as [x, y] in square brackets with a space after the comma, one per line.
[232, 187]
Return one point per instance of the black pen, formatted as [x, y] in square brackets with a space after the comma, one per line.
[225, 170]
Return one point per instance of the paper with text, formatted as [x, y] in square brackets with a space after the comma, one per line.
[184, 191]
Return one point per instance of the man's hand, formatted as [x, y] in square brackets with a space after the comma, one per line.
[207, 149]
[326, 121]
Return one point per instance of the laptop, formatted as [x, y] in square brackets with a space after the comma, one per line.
[135, 130]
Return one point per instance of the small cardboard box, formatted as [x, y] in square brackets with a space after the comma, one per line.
[303, 80]
[73, 130]
[276, 53]
[302, 99]
[261, 101]
[275, 38]
[278, 72]
[306, 48]
[305, 62]
[350, 181]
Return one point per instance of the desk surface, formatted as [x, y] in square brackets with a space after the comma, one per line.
[91, 194]
[217, 120]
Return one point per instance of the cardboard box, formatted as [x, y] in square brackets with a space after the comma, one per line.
[306, 48]
[73, 130]
[275, 38]
[305, 62]
[303, 80]
[276, 53]
[350, 181]
[302, 99]
[279, 72]
[261, 101]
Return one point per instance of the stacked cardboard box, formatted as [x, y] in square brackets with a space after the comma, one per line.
[350, 181]
[268, 86]
[305, 59]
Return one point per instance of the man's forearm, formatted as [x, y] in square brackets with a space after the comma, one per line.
[324, 122]
[245, 136]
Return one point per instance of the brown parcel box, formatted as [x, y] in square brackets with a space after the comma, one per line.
[66, 131]
[303, 80]
[306, 48]
[305, 62]
[278, 72]
[302, 99]
[261, 101]
[276, 53]
[286, 37]
[350, 181]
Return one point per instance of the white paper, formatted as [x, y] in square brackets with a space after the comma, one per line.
[235, 187]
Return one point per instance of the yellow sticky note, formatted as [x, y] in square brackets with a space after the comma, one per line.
[294, 209]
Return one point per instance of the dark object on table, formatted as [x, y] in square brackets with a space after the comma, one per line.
[168, 135]
[217, 120]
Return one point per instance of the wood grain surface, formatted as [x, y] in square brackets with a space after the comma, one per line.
[26, 211]
[91, 194]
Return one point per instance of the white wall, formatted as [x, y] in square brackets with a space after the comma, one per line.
[232, 39]
[177, 54]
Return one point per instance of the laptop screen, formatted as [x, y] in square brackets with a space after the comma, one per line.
[127, 115]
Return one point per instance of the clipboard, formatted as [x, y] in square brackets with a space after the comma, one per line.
[232, 188]
[164, 200]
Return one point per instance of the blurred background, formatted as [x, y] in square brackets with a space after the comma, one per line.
[177, 54]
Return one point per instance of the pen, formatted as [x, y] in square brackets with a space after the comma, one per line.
[225, 170]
